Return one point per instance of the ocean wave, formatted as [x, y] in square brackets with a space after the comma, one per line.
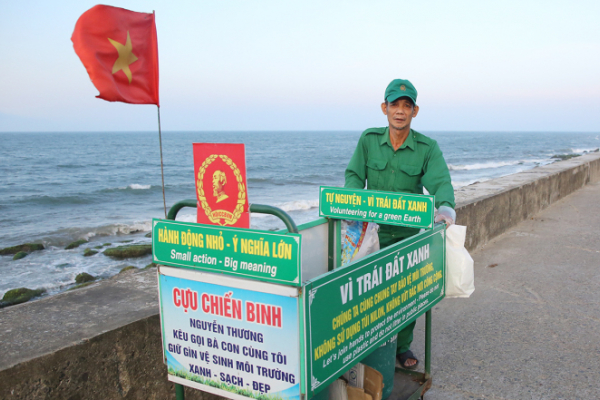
[65, 236]
[289, 206]
[459, 184]
[487, 165]
[133, 188]
[298, 205]
[583, 151]
[136, 186]
[71, 166]
[53, 200]
[187, 217]
[123, 229]
[79, 198]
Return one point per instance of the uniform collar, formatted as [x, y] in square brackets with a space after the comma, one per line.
[409, 142]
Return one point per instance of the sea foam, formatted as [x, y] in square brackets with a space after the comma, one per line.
[136, 186]
[487, 165]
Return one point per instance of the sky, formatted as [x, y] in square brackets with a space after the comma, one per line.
[317, 65]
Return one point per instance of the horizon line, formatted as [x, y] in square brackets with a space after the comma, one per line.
[296, 131]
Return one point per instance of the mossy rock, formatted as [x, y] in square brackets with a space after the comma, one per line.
[126, 241]
[20, 255]
[98, 247]
[564, 157]
[84, 277]
[81, 285]
[89, 252]
[134, 250]
[20, 295]
[75, 244]
[148, 235]
[151, 265]
[106, 244]
[26, 247]
[129, 268]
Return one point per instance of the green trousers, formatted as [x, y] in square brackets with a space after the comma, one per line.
[405, 336]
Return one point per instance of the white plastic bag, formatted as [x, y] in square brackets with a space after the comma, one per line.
[460, 279]
[370, 242]
[358, 240]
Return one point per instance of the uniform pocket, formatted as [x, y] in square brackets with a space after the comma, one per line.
[375, 168]
[408, 178]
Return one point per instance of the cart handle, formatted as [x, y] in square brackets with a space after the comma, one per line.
[256, 208]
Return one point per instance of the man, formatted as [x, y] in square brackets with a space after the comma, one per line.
[219, 181]
[399, 159]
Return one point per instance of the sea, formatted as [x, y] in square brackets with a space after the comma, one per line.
[105, 187]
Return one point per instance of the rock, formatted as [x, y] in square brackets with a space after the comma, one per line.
[20, 255]
[20, 295]
[106, 244]
[75, 244]
[127, 241]
[84, 277]
[151, 265]
[129, 268]
[27, 247]
[148, 235]
[98, 247]
[563, 157]
[134, 250]
[81, 285]
[89, 252]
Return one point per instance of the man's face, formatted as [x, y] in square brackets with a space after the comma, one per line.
[217, 187]
[400, 113]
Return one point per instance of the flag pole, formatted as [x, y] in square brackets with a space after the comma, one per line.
[162, 171]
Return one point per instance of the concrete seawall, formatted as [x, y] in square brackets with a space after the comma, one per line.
[490, 208]
[103, 341]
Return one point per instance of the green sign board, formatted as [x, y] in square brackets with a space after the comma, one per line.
[244, 253]
[354, 309]
[412, 210]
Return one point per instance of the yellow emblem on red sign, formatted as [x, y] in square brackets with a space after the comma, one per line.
[221, 185]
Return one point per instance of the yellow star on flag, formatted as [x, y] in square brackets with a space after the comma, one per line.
[126, 57]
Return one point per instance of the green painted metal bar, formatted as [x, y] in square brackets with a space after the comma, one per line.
[428, 344]
[179, 393]
[178, 206]
[278, 212]
[257, 208]
[338, 242]
[330, 246]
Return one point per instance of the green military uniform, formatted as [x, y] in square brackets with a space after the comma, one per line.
[416, 164]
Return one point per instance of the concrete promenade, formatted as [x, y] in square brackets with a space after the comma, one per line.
[531, 330]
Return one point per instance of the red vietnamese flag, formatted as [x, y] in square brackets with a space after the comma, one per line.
[119, 50]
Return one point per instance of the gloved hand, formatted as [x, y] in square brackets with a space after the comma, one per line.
[446, 214]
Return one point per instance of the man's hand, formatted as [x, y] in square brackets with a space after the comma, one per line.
[446, 214]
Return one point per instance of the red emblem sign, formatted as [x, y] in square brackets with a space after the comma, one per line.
[221, 184]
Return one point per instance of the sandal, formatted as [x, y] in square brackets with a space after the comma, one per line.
[404, 357]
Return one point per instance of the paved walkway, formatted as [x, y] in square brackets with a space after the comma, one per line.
[531, 330]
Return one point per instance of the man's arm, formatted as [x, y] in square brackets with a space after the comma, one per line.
[356, 172]
[436, 178]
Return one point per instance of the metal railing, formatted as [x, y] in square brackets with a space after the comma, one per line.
[254, 208]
